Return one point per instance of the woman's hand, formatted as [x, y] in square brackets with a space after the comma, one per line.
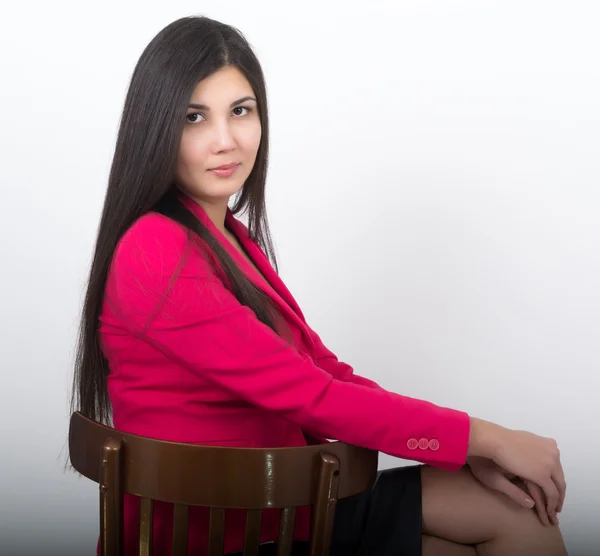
[493, 476]
[534, 459]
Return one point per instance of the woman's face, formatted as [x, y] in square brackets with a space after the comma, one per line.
[222, 126]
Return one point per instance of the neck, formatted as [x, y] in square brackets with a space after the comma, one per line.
[215, 210]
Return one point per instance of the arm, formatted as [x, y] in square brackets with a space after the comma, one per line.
[197, 322]
[328, 361]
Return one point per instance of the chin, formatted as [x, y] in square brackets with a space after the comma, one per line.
[215, 191]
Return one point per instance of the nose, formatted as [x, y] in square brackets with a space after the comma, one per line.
[223, 139]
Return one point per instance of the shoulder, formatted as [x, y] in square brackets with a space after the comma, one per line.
[152, 226]
[152, 240]
[156, 246]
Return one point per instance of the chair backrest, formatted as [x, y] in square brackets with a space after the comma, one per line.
[219, 478]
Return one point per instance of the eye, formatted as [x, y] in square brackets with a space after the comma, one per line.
[196, 117]
[243, 108]
[193, 115]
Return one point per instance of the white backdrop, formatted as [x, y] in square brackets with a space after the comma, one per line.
[433, 194]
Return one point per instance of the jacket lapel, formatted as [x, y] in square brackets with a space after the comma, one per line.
[272, 284]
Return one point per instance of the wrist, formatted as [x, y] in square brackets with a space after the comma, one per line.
[483, 439]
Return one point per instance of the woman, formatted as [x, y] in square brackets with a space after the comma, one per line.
[189, 335]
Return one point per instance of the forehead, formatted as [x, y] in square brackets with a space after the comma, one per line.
[221, 87]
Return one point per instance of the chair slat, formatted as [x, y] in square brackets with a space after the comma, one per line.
[216, 532]
[286, 532]
[252, 534]
[146, 526]
[324, 508]
[111, 499]
[180, 530]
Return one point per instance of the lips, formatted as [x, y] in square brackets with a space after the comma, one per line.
[229, 166]
[225, 170]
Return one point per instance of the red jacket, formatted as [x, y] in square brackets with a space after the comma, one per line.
[189, 363]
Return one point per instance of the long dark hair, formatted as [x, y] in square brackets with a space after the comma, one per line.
[143, 171]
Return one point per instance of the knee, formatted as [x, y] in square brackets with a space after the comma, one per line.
[459, 497]
[514, 519]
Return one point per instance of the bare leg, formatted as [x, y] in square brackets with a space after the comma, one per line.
[432, 546]
[458, 508]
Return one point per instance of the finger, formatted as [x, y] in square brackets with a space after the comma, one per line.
[536, 493]
[559, 480]
[551, 494]
[516, 494]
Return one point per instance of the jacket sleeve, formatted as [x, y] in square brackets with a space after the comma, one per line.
[169, 296]
[328, 361]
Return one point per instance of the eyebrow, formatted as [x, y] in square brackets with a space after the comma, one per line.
[204, 107]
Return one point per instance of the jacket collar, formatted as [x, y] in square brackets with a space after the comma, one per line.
[271, 284]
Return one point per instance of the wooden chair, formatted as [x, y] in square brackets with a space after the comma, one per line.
[219, 478]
